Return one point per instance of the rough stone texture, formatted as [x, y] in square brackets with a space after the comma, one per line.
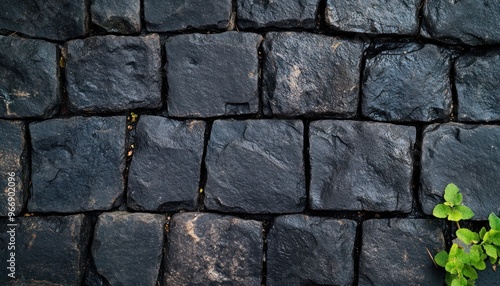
[133, 258]
[51, 19]
[77, 164]
[466, 155]
[119, 16]
[488, 276]
[165, 170]
[29, 78]
[407, 83]
[394, 252]
[301, 80]
[113, 73]
[174, 15]
[255, 166]
[212, 75]
[476, 80]
[472, 22]
[210, 249]
[13, 158]
[282, 14]
[304, 250]
[49, 250]
[374, 16]
[361, 166]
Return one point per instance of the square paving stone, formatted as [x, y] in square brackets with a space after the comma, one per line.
[281, 14]
[77, 164]
[175, 15]
[300, 80]
[256, 166]
[476, 80]
[165, 170]
[51, 19]
[466, 155]
[213, 75]
[374, 16]
[51, 250]
[394, 252]
[14, 178]
[304, 250]
[210, 249]
[408, 83]
[113, 73]
[127, 247]
[29, 78]
[119, 16]
[361, 166]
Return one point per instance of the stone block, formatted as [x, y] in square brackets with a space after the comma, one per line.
[119, 16]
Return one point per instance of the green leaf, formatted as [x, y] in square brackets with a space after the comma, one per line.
[441, 258]
[466, 212]
[453, 266]
[449, 277]
[470, 272]
[455, 215]
[441, 211]
[452, 194]
[479, 265]
[467, 236]
[492, 237]
[490, 250]
[482, 232]
[459, 281]
[494, 221]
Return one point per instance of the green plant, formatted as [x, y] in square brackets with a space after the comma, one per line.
[470, 249]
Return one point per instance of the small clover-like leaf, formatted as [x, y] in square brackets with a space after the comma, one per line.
[441, 258]
[459, 281]
[490, 250]
[466, 212]
[480, 265]
[452, 194]
[441, 211]
[492, 237]
[455, 215]
[470, 272]
[494, 221]
[467, 236]
[482, 232]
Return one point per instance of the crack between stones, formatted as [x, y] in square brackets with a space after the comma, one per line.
[307, 163]
[90, 259]
[266, 226]
[203, 167]
[454, 93]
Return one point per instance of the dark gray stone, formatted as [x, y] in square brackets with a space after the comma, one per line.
[113, 73]
[265, 163]
[77, 164]
[476, 79]
[119, 16]
[133, 258]
[210, 249]
[361, 166]
[304, 250]
[29, 78]
[282, 14]
[374, 16]
[165, 170]
[174, 15]
[300, 80]
[394, 252]
[50, 250]
[51, 19]
[408, 83]
[212, 75]
[472, 22]
[466, 155]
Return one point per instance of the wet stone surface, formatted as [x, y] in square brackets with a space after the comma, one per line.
[113, 73]
[211, 249]
[29, 78]
[466, 155]
[165, 170]
[119, 16]
[304, 250]
[266, 162]
[361, 166]
[77, 164]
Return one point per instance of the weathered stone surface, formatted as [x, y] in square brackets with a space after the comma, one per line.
[304, 250]
[77, 164]
[212, 75]
[127, 247]
[174, 15]
[488, 276]
[472, 22]
[48, 250]
[210, 249]
[407, 83]
[282, 14]
[301, 80]
[119, 16]
[361, 166]
[255, 166]
[51, 19]
[165, 170]
[374, 16]
[14, 165]
[29, 78]
[113, 73]
[394, 252]
[466, 155]
[476, 79]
